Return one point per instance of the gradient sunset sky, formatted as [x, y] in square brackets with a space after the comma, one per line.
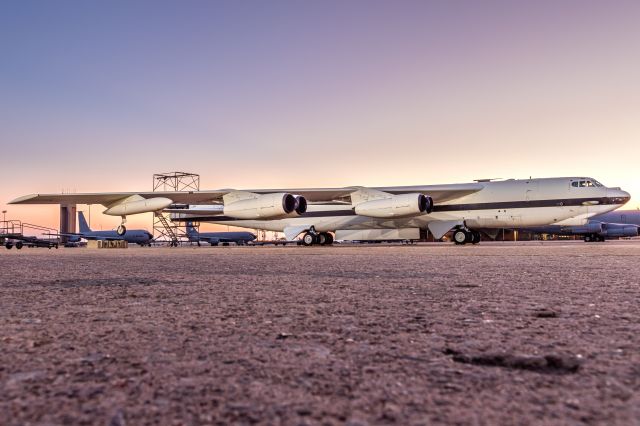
[99, 95]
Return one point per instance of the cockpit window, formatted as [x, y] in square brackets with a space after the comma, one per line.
[586, 184]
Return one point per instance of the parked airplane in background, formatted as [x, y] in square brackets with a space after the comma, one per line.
[134, 236]
[358, 213]
[215, 238]
[616, 224]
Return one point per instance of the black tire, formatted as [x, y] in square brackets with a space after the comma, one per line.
[8, 246]
[308, 239]
[329, 239]
[475, 237]
[322, 238]
[460, 237]
[19, 245]
[121, 230]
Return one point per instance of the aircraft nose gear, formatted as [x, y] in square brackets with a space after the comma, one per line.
[122, 229]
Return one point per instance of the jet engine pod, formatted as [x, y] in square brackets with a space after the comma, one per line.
[403, 205]
[589, 228]
[617, 231]
[267, 206]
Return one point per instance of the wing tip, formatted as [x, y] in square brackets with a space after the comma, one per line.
[23, 199]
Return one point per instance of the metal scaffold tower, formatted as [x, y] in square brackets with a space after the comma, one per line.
[164, 229]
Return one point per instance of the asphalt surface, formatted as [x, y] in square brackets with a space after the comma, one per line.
[429, 334]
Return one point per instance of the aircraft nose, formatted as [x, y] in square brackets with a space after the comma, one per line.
[618, 196]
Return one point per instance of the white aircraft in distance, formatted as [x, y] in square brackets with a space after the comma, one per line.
[359, 213]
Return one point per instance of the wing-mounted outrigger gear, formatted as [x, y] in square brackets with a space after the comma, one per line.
[135, 204]
[122, 229]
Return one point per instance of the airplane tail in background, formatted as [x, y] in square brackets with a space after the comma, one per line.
[191, 231]
[82, 222]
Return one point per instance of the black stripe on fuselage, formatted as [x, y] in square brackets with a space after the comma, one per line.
[503, 205]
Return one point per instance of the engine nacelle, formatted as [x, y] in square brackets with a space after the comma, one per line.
[267, 206]
[403, 205]
[136, 204]
[589, 228]
[301, 205]
[617, 231]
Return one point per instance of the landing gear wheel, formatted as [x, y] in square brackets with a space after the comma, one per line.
[322, 239]
[308, 239]
[587, 238]
[329, 239]
[475, 237]
[19, 245]
[121, 230]
[601, 238]
[460, 237]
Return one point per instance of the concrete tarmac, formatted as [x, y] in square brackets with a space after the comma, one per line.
[500, 333]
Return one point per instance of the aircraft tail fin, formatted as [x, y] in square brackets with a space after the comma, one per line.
[82, 222]
[191, 231]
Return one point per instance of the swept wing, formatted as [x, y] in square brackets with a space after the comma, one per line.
[439, 193]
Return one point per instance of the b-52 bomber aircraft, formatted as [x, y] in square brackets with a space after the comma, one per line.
[378, 212]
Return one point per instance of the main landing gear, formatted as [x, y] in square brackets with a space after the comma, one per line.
[314, 238]
[463, 236]
[593, 238]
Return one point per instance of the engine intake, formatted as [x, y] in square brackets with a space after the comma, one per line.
[301, 205]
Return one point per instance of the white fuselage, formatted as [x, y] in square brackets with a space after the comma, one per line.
[510, 203]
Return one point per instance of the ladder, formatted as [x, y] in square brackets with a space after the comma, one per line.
[169, 228]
